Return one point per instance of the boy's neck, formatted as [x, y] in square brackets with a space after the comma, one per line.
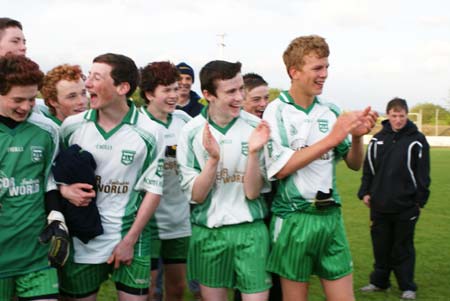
[111, 116]
[300, 97]
[11, 123]
[183, 100]
[218, 118]
[162, 116]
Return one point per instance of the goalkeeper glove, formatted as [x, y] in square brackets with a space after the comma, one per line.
[57, 234]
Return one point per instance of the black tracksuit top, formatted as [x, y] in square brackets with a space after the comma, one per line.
[396, 171]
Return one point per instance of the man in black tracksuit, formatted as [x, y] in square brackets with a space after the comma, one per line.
[395, 185]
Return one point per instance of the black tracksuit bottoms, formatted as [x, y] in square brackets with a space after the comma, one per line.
[393, 248]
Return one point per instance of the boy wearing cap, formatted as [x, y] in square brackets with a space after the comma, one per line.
[129, 156]
[187, 99]
[29, 144]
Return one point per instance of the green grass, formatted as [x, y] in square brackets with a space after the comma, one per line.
[432, 238]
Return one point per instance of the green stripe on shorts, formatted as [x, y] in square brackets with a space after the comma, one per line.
[34, 284]
[80, 278]
[176, 248]
[310, 242]
[230, 257]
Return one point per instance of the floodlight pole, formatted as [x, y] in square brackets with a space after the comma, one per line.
[221, 44]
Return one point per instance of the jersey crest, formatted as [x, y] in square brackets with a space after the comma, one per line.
[127, 157]
[323, 125]
[37, 153]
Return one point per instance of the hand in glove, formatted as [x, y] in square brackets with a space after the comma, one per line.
[57, 234]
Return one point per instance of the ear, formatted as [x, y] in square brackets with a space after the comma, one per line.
[149, 95]
[208, 96]
[53, 103]
[294, 72]
[123, 88]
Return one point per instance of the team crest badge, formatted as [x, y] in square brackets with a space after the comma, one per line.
[127, 157]
[244, 148]
[37, 153]
[323, 125]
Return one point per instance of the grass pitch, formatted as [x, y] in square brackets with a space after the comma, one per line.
[432, 238]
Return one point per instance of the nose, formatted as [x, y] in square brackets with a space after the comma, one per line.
[173, 93]
[23, 47]
[88, 82]
[26, 106]
[82, 100]
[240, 95]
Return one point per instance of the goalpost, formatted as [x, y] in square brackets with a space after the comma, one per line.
[418, 119]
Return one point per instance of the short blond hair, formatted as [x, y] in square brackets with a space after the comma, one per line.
[303, 46]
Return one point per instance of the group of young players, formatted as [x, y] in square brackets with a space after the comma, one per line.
[152, 161]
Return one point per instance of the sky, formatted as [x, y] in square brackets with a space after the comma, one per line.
[379, 49]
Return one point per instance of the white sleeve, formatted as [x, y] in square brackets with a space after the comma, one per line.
[267, 187]
[187, 161]
[51, 183]
[276, 154]
[152, 178]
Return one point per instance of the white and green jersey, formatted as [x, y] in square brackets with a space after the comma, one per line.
[129, 163]
[171, 219]
[293, 128]
[226, 203]
[26, 153]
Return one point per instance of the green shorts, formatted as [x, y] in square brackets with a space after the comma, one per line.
[310, 242]
[170, 250]
[42, 284]
[80, 280]
[230, 257]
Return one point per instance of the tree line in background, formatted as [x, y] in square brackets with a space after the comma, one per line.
[429, 113]
[428, 110]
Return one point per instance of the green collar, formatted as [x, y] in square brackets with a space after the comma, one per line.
[130, 118]
[222, 130]
[287, 98]
[53, 118]
[166, 125]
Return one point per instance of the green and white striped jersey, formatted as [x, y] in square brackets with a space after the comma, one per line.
[26, 153]
[293, 128]
[129, 163]
[171, 219]
[226, 203]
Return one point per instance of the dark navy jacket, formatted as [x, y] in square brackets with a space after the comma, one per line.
[193, 108]
[74, 165]
[396, 171]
